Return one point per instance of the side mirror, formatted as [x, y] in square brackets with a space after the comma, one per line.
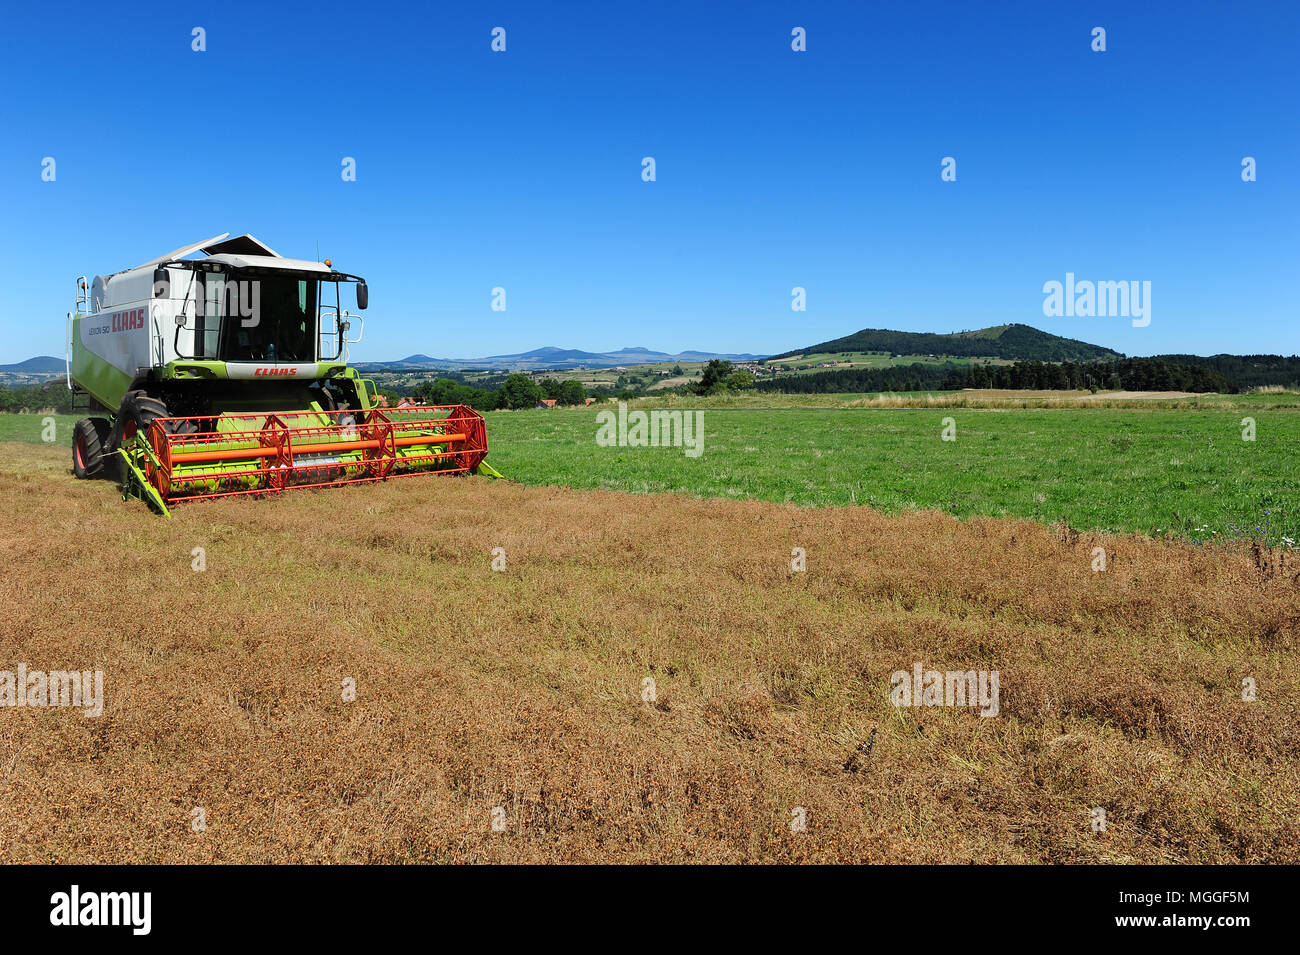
[161, 283]
[363, 296]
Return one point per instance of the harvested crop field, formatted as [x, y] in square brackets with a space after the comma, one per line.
[515, 697]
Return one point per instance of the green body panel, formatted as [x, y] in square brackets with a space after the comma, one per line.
[105, 382]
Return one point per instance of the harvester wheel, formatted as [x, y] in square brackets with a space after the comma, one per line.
[88, 437]
[142, 409]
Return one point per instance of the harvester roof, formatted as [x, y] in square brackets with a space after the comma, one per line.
[268, 262]
[243, 251]
[241, 245]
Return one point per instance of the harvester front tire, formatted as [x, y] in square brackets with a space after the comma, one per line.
[143, 409]
[88, 437]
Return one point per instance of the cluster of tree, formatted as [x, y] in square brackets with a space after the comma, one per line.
[448, 391]
[515, 391]
[720, 375]
[568, 392]
[47, 396]
[1132, 374]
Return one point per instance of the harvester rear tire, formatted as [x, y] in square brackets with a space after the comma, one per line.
[88, 437]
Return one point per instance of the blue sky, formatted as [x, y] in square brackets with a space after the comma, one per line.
[775, 169]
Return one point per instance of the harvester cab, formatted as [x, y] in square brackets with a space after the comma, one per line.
[228, 375]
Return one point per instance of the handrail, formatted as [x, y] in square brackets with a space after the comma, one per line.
[83, 299]
[158, 335]
[67, 352]
[360, 318]
[322, 313]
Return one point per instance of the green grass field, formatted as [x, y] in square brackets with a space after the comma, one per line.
[1185, 471]
[31, 428]
[1155, 471]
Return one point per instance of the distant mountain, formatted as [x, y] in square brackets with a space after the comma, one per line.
[40, 365]
[548, 354]
[539, 359]
[550, 357]
[1011, 342]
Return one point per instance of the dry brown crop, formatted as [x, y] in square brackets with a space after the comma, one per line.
[521, 691]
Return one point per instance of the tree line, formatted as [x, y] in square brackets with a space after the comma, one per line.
[48, 396]
[512, 391]
[1129, 374]
[515, 391]
[1247, 371]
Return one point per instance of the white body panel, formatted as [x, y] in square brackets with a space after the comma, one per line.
[125, 326]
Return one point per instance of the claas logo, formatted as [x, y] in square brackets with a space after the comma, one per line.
[262, 372]
[128, 321]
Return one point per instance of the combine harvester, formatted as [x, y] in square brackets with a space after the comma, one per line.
[228, 375]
